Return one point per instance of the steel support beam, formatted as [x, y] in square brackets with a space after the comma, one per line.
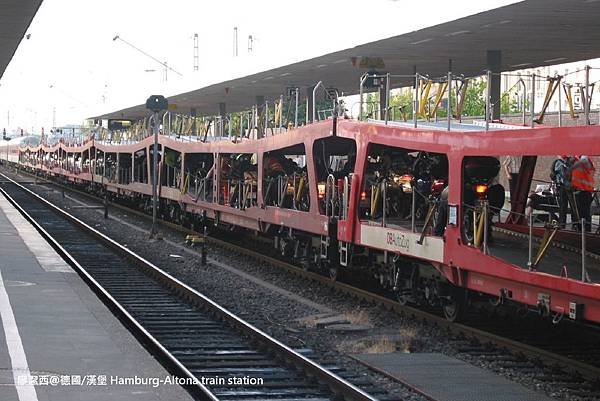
[223, 115]
[193, 113]
[383, 101]
[309, 104]
[519, 201]
[494, 60]
[260, 116]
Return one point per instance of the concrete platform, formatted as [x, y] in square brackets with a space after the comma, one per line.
[58, 341]
[444, 378]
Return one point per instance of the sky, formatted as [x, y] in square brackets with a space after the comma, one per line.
[71, 69]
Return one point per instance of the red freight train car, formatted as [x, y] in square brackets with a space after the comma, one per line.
[420, 209]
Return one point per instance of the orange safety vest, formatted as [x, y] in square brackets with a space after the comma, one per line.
[582, 177]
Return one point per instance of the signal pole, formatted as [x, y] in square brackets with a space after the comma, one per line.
[155, 103]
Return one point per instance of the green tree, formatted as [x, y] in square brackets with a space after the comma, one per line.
[370, 106]
[510, 104]
[474, 104]
[401, 106]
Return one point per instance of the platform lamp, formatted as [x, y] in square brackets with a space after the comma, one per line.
[155, 103]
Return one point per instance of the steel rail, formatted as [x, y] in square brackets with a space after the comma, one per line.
[98, 289]
[336, 384]
[584, 369]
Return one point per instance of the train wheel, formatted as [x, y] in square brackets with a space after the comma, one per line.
[409, 282]
[454, 307]
[305, 264]
[286, 247]
[403, 299]
[452, 310]
[333, 273]
[307, 257]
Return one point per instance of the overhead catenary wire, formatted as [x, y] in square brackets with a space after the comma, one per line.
[163, 63]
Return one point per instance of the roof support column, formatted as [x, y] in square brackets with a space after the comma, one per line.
[449, 104]
[222, 115]
[494, 64]
[259, 118]
[193, 113]
[383, 100]
[415, 100]
[309, 104]
[132, 165]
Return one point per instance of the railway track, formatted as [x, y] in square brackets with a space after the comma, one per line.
[217, 355]
[567, 349]
[536, 338]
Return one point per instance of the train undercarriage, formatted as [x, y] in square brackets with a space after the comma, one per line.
[409, 280]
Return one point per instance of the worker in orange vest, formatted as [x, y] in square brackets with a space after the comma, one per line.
[582, 184]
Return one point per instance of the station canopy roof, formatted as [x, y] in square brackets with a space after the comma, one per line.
[15, 17]
[529, 34]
